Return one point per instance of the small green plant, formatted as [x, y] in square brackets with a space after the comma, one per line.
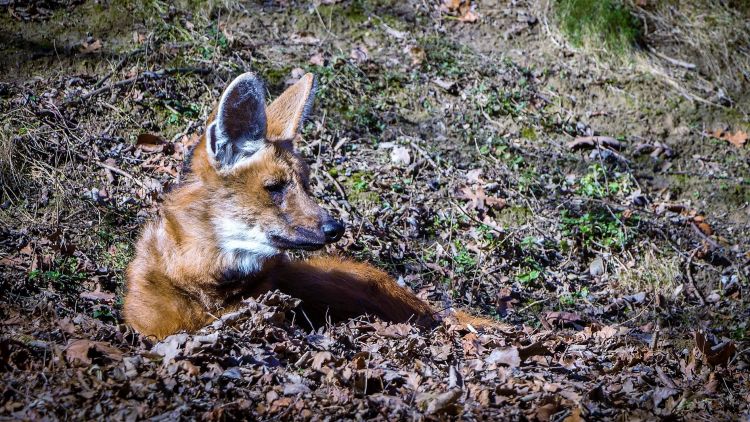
[360, 182]
[600, 228]
[595, 183]
[527, 181]
[569, 299]
[463, 259]
[529, 276]
[740, 331]
[173, 119]
[599, 23]
[528, 243]
[64, 275]
[490, 238]
[443, 56]
[104, 313]
[528, 133]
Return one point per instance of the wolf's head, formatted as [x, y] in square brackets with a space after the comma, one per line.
[258, 183]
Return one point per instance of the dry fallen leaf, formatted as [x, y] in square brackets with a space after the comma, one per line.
[446, 85]
[738, 138]
[606, 332]
[150, 143]
[474, 176]
[138, 38]
[82, 351]
[470, 16]
[471, 345]
[90, 47]
[320, 359]
[438, 403]
[505, 356]
[317, 60]
[534, 349]
[392, 330]
[359, 54]
[562, 318]
[395, 33]
[98, 296]
[663, 393]
[703, 226]
[400, 156]
[463, 10]
[714, 355]
[304, 38]
[478, 199]
[417, 55]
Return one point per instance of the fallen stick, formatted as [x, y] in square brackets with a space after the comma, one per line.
[423, 153]
[593, 142]
[122, 173]
[680, 63]
[347, 206]
[704, 236]
[119, 66]
[691, 282]
[143, 75]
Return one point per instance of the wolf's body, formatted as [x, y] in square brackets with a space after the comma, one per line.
[222, 234]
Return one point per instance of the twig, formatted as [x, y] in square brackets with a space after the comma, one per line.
[119, 66]
[423, 153]
[499, 230]
[593, 142]
[122, 173]
[143, 75]
[704, 236]
[347, 208]
[655, 337]
[691, 282]
[680, 63]
[737, 355]
[336, 184]
[531, 305]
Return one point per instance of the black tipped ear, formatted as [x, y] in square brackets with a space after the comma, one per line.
[239, 129]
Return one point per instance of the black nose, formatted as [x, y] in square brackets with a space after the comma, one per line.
[333, 231]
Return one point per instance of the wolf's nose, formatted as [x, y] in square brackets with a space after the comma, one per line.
[333, 230]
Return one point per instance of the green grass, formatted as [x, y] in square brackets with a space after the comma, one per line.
[606, 24]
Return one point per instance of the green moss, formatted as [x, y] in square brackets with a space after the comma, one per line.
[528, 133]
[275, 77]
[443, 56]
[358, 189]
[513, 216]
[599, 23]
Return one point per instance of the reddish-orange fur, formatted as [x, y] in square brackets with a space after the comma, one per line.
[180, 278]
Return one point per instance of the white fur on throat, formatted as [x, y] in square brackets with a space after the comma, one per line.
[248, 247]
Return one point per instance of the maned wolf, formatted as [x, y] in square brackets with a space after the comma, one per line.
[223, 233]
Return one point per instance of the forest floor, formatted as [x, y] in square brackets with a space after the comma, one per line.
[599, 209]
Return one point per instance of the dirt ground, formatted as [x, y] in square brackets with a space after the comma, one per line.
[595, 207]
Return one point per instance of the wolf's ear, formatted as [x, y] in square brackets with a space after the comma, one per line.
[240, 125]
[287, 113]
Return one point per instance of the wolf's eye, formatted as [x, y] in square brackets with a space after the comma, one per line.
[275, 186]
